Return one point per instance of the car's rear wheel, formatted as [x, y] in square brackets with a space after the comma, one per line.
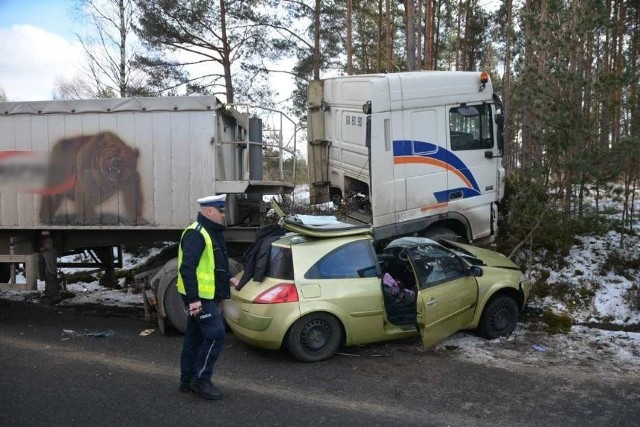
[314, 337]
[499, 318]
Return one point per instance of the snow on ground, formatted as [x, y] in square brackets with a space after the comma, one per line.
[91, 292]
[583, 351]
[85, 293]
[584, 270]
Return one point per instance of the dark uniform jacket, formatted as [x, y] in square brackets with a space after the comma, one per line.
[192, 245]
[256, 257]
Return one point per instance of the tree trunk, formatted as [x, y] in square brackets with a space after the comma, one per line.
[409, 31]
[468, 48]
[528, 111]
[349, 37]
[410, 17]
[123, 50]
[537, 144]
[379, 43]
[419, 36]
[634, 100]
[605, 124]
[509, 145]
[367, 63]
[568, 192]
[316, 40]
[573, 151]
[429, 20]
[226, 53]
[389, 38]
[618, 67]
[458, 36]
[435, 38]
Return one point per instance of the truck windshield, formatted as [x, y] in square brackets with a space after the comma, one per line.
[471, 132]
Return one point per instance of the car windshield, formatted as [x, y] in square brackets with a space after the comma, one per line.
[471, 258]
[280, 263]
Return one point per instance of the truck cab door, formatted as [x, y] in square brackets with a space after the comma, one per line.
[473, 164]
[447, 294]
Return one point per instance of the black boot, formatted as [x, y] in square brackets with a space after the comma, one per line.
[205, 389]
[185, 386]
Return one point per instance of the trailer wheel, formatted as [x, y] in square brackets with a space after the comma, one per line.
[5, 272]
[175, 309]
[234, 267]
[177, 312]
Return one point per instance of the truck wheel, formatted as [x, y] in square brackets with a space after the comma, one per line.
[175, 309]
[499, 318]
[335, 196]
[314, 337]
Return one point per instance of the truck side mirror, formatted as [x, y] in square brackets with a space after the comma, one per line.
[500, 124]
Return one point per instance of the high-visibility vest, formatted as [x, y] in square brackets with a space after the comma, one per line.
[205, 272]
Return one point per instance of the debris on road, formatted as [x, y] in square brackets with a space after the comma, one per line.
[101, 334]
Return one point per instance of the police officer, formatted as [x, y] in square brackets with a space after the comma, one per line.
[204, 282]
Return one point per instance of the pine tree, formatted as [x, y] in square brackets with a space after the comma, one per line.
[219, 37]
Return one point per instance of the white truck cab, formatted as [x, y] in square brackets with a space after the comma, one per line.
[410, 153]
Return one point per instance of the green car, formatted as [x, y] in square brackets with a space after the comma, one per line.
[319, 294]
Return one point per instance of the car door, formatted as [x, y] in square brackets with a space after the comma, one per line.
[447, 293]
[348, 282]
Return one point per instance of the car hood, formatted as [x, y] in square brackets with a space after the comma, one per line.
[488, 257]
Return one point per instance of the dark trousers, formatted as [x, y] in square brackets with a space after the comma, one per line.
[203, 342]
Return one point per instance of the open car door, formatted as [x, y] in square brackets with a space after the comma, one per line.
[447, 294]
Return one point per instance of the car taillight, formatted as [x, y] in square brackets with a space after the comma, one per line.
[282, 292]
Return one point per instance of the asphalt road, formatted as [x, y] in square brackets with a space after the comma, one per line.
[52, 377]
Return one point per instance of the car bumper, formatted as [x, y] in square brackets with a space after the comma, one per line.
[264, 325]
[525, 289]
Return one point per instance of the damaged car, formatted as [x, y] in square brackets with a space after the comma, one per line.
[324, 288]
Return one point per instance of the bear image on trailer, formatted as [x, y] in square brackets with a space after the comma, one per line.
[95, 168]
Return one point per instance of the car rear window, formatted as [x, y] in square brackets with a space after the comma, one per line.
[280, 264]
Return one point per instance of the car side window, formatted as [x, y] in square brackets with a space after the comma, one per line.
[434, 265]
[353, 260]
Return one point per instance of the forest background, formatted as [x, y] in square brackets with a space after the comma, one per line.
[567, 71]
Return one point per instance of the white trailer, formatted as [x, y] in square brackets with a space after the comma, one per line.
[410, 153]
[101, 173]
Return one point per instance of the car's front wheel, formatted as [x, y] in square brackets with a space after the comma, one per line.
[314, 337]
[499, 318]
